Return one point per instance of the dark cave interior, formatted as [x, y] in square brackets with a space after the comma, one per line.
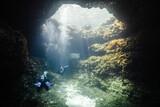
[20, 21]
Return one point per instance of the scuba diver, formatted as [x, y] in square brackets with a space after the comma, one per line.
[62, 69]
[43, 82]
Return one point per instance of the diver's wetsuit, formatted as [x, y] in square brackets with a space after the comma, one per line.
[43, 82]
[61, 70]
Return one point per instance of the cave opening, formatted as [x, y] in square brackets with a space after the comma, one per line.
[69, 33]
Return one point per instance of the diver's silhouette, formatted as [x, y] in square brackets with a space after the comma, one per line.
[62, 69]
[43, 82]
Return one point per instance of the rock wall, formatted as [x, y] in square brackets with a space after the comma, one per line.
[13, 57]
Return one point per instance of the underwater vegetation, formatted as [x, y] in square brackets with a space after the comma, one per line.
[109, 57]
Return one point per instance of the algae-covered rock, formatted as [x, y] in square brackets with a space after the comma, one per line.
[106, 64]
[114, 45]
[110, 29]
[108, 58]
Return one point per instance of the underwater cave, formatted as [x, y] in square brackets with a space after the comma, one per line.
[78, 53]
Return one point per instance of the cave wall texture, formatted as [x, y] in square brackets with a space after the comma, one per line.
[20, 19]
